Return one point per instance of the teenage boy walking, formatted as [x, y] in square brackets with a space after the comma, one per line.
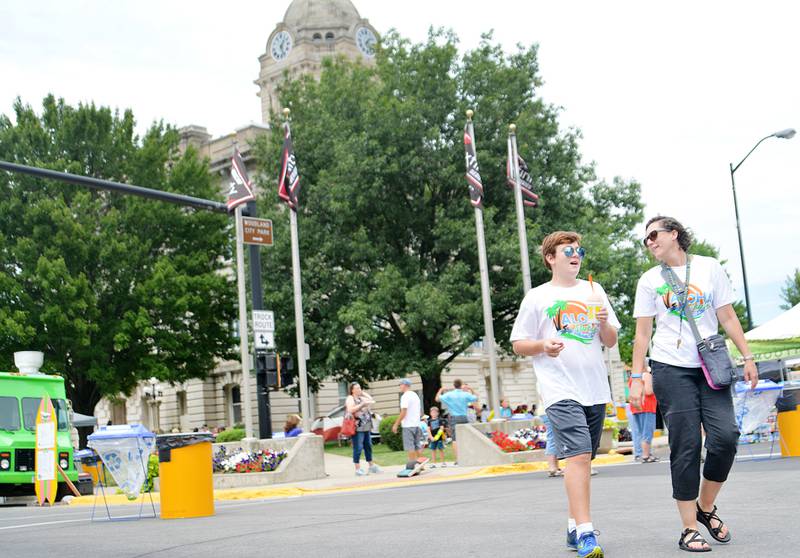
[565, 334]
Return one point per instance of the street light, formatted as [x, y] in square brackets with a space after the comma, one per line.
[788, 133]
[152, 400]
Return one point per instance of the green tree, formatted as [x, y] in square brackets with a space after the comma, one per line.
[113, 289]
[390, 267]
[791, 290]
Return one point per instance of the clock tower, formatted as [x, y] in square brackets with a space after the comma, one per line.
[310, 31]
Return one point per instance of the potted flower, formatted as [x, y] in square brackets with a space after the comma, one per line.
[608, 440]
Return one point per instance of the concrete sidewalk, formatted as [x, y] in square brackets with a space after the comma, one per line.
[341, 478]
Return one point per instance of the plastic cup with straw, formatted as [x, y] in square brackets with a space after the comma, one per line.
[594, 303]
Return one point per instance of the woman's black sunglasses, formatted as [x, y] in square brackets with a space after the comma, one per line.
[651, 236]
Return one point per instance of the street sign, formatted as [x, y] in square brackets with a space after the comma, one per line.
[264, 329]
[264, 320]
[264, 339]
[257, 231]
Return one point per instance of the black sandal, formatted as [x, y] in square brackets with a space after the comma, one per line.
[706, 517]
[683, 543]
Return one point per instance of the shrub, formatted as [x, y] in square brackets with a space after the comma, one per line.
[394, 441]
[232, 435]
[152, 472]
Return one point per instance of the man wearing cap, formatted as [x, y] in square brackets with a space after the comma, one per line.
[458, 401]
[409, 419]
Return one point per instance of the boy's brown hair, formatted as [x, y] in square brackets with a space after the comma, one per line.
[554, 240]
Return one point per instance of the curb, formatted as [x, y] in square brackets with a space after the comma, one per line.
[296, 491]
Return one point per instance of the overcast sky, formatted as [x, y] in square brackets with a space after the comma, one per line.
[668, 96]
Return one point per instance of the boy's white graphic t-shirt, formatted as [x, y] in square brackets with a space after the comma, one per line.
[709, 289]
[579, 371]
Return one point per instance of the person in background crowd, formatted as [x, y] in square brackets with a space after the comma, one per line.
[483, 416]
[457, 400]
[357, 405]
[409, 419]
[505, 409]
[292, 427]
[550, 450]
[436, 436]
[643, 424]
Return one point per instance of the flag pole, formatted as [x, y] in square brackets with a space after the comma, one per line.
[243, 336]
[513, 156]
[488, 325]
[305, 410]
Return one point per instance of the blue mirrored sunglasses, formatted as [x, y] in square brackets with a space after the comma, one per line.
[570, 251]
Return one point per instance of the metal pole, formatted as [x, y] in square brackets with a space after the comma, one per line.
[262, 396]
[243, 336]
[488, 324]
[521, 231]
[99, 184]
[741, 248]
[298, 321]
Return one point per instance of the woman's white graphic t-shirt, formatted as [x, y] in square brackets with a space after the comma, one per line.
[709, 289]
[578, 372]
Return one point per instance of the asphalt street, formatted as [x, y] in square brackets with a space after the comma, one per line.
[513, 515]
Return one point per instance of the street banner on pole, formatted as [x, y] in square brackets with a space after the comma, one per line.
[520, 174]
[476, 198]
[288, 188]
[289, 179]
[520, 180]
[240, 190]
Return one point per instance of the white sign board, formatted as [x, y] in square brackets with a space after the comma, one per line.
[264, 329]
[264, 339]
[263, 320]
[46, 464]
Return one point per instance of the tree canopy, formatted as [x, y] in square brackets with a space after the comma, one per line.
[390, 268]
[113, 289]
[791, 290]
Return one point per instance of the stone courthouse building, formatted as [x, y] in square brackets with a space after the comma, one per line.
[310, 31]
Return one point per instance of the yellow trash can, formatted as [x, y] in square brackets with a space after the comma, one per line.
[789, 427]
[185, 475]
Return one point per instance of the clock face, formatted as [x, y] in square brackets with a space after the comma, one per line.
[281, 45]
[365, 39]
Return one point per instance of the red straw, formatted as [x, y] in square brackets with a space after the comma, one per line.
[591, 282]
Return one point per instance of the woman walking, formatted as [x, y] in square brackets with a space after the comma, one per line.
[683, 393]
[358, 406]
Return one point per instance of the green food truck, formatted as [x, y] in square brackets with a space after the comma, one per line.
[20, 395]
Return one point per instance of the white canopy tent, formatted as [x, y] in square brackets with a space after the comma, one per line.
[785, 326]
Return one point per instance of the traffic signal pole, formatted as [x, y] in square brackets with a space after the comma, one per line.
[262, 392]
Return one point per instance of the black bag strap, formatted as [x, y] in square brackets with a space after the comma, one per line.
[678, 287]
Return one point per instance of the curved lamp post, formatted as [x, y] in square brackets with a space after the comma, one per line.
[788, 133]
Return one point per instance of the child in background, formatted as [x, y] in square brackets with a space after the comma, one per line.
[423, 426]
[436, 436]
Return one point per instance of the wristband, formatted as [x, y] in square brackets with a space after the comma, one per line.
[636, 376]
[748, 357]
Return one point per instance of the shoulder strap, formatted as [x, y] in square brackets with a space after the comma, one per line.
[677, 286]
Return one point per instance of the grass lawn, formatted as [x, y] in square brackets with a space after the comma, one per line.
[769, 347]
[383, 455]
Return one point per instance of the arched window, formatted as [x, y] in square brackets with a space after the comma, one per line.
[329, 36]
[317, 37]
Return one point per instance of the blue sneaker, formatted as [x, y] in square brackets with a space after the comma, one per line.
[588, 547]
[572, 540]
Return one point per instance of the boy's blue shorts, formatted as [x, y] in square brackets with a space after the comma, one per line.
[436, 445]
